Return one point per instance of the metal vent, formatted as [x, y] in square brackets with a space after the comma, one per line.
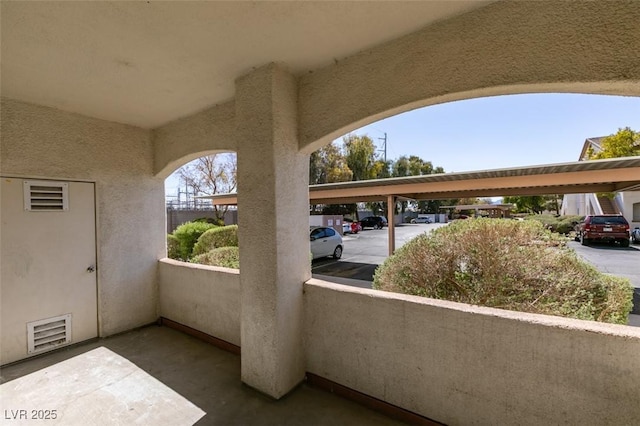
[46, 196]
[48, 334]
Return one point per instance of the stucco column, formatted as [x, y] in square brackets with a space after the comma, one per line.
[273, 210]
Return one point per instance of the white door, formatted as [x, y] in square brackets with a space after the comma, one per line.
[48, 260]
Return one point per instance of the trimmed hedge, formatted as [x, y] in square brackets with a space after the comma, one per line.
[187, 235]
[173, 247]
[228, 257]
[225, 236]
[507, 264]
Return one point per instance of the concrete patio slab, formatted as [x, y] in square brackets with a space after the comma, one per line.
[205, 376]
[96, 386]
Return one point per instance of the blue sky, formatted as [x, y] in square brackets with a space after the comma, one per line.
[504, 131]
[501, 131]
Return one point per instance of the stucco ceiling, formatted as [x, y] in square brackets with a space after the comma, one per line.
[147, 63]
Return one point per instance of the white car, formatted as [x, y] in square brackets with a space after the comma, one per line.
[346, 228]
[325, 242]
[422, 219]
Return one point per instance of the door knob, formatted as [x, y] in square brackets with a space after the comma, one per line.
[91, 269]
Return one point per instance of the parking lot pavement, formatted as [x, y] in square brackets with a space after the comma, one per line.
[615, 260]
[634, 320]
[367, 249]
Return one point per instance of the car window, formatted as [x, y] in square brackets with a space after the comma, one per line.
[608, 220]
[317, 233]
[619, 220]
[329, 232]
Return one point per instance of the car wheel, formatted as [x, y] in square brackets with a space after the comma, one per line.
[337, 253]
[624, 243]
[583, 240]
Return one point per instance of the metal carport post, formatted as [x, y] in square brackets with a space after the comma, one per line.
[391, 208]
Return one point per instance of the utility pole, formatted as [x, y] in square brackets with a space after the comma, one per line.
[384, 141]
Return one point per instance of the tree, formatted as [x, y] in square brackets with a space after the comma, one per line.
[211, 174]
[360, 154]
[381, 169]
[433, 206]
[469, 201]
[400, 167]
[553, 202]
[357, 160]
[624, 143]
[328, 165]
[416, 166]
[527, 204]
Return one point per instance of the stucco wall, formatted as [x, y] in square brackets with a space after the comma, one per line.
[203, 297]
[191, 137]
[629, 198]
[460, 364]
[43, 142]
[504, 48]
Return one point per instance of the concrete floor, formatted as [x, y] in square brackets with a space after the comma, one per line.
[210, 378]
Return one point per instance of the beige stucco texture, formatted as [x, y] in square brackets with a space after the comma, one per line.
[504, 48]
[205, 298]
[40, 142]
[186, 139]
[273, 233]
[461, 364]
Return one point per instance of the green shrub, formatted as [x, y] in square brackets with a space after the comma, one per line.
[225, 236]
[173, 247]
[212, 220]
[228, 257]
[559, 224]
[508, 264]
[187, 235]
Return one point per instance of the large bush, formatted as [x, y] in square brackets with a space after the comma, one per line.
[173, 247]
[187, 235]
[559, 224]
[228, 257]
[213, 220]
[508, 264]
[225, 236]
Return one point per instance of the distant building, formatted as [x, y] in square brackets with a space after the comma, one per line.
[626, 203]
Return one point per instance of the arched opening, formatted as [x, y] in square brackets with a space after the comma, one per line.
[189, 216]
[476, 134]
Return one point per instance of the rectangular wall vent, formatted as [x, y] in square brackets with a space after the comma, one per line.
[47, 334]
[46, 196]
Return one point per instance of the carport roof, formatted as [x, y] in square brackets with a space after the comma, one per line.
[610, 175]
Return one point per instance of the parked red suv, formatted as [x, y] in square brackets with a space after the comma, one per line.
[610, 228]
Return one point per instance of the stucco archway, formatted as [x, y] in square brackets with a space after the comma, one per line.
[504, 48]
[207, 132]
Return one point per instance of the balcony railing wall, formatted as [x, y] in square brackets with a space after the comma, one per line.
[205, 298]
[451, 362]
